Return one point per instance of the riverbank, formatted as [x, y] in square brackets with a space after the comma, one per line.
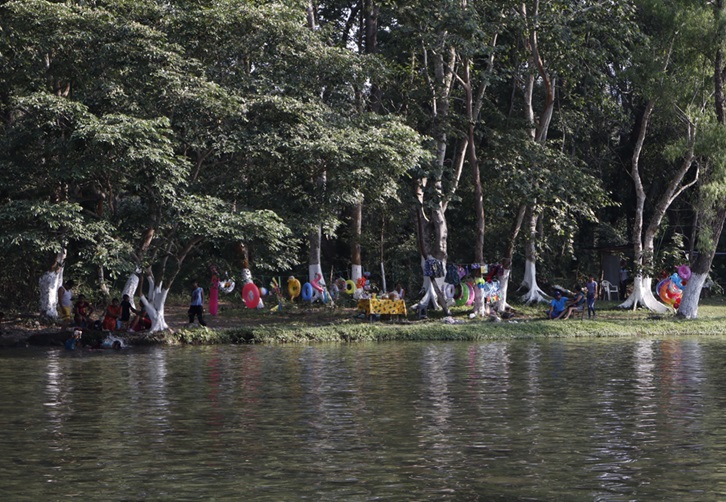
[312, 324]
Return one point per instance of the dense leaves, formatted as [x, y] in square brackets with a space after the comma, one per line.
[165, 134]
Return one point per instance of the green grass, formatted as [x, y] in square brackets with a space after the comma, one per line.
[315, 325]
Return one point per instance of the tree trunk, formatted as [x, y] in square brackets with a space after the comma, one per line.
[534, 294]
[371, 12]
[246, 275]
[48, 284]
[154, 305]
[713, 221]
[356, 266]
[692, 295]
[643, 242]
[505, 272]
[503, 277]
[132, 284]
[643, 295]
[637, 297]
[539, 132]
[432, 232]
[474, 165]
[311, 11]
[102, 285]
[315, 271]
[701, 268]
[433, 288]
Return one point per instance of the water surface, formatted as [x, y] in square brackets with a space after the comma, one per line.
[635, 419]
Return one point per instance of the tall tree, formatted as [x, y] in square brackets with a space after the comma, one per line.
[673, 89]
[711, 206]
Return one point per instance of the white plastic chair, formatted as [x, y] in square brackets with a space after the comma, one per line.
[608, 288]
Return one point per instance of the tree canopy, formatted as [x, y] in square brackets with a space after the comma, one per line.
[159, 136]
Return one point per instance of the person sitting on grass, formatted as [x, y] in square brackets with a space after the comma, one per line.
[557, 306]
[82, 311]
[141, 322]
[111, 315]
[577, 303]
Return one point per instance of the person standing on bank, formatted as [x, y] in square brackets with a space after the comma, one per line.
[196, 307]
[592, 291]
[623, 280]
[65, 300]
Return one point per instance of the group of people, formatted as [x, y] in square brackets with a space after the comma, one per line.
[116, 316]
[562, 307]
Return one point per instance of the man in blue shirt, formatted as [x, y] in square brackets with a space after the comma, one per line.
[557, 306]
[196, 307]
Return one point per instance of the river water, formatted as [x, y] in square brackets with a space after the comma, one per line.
[591, 419]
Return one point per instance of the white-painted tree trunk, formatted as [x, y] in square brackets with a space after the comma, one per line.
[48, 284]
[534, 293]
[154, 306]
[132, 284]
[102, 285]
[503, 289]
[430, 299]
[356, 272]
[315, 271]
[692, 295]
[643, 296]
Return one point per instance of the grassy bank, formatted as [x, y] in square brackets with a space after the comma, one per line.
[315, 325]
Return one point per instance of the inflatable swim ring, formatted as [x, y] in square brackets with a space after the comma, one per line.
[684, 272]
[669, 292]
[472, 296]
[350, 287]
[307, 292]
[293, 287]
[251, 295]
[463, 295]
[226, 286]
[449, 291]
[316, 283]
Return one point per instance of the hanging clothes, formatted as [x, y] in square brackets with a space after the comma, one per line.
[452, 274]
[433, 268]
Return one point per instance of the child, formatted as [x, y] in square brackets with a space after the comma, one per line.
[592, 291]
[74, 341]
[126, 309]
[196, 306]
[82, 311]
[113, 312]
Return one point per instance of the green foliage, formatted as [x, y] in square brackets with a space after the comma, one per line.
[215, 123]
